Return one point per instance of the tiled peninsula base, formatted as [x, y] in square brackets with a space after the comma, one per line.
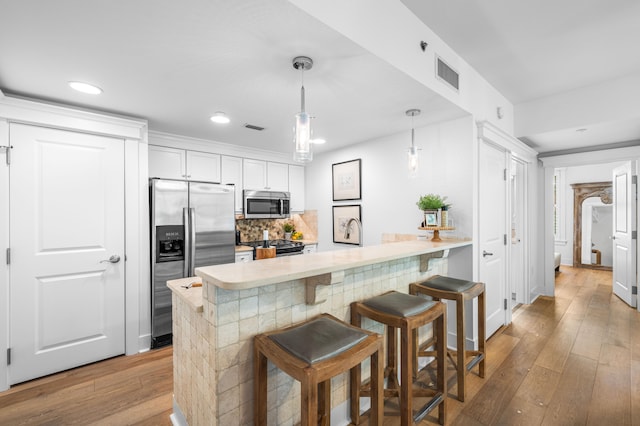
[212, 350]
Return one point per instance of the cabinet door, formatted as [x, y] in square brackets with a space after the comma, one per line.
[232, 173]
[254, 174]
[203, 166]
[168, 163]
[296, 188]
[277, 177]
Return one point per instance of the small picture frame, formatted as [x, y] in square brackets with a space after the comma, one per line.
[347, 180]
[431, 218]
[341, 216]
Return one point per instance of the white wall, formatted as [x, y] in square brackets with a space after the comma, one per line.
[579, 174]
[388, 195]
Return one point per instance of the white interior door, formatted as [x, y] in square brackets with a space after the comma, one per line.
[493, 232]
[66, 219]
[624, 248]
[518, 264]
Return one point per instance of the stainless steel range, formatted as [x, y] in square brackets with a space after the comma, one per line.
[283, 247]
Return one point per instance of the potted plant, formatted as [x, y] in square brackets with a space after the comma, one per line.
[288, 229]
[431, 204]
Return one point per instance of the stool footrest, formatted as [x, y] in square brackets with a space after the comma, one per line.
[476, 359]
[428, 407]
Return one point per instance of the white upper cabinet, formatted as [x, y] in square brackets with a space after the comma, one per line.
[172, 163]
[296, 188]
[263, 175]
[203, 166]
[168, 163]
[232, 173]
[278, 176]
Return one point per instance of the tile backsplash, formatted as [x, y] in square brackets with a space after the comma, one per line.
[251, 229]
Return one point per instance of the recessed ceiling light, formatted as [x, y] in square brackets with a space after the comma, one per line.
[318, 141]
[220, 118]
[85, 87]
[581, 130]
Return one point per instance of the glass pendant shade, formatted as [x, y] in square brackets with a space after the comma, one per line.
[413, 154]
[413, 160]
[302, 138]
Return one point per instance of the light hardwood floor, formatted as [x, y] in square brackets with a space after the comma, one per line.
[569, 360]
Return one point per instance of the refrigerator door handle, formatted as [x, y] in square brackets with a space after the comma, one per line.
[187, 242]
[192, 241]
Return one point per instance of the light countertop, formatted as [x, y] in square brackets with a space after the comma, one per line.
[191, 295]
[239, 276]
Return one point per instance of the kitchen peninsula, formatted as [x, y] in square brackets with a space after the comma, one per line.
[213, 326]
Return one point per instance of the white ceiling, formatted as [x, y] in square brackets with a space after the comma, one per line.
[176, 63]
[533, 50]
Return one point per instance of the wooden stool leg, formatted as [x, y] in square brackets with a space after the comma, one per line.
[482, 330]
[308, 402]
[441, 364]
[355, 375]
[324, 402]
[377, 391]
[460, 358]
[392, 350]
[406, 381]
[259, 387]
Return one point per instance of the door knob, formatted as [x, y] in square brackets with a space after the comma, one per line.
[113, 259]
[486, 253]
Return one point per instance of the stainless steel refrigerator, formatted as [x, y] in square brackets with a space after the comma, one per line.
[192, 225]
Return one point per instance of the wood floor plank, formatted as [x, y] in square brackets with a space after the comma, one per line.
[569, 403]
[611, 398]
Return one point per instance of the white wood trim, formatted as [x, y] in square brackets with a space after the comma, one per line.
[490, 132]
[64, 117]
[593, 157]
[195, 144]
[4, 270]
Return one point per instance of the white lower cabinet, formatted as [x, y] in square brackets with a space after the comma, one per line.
[244, 256]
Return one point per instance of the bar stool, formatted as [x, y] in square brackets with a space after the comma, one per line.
[312, 353]
[439, 287]
[407, 313]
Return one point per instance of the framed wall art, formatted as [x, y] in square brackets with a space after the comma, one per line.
[341, 217]
[347, 183]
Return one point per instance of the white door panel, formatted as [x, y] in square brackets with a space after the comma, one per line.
[67, 217]
[624, 252]
[493, 225]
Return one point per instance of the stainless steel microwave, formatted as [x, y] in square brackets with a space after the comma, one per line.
[266, 204]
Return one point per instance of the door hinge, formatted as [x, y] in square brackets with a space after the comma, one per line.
[8, 256]
[634, 179]
[513, 296]
[505, 304]
[505, 239]
[504, 175]
[634, 235]
[634, 289]
[8, 356]
[7, 150]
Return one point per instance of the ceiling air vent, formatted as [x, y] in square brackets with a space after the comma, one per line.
[447, 74]
[252, 127]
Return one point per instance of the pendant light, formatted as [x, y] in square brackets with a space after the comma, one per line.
[302, 131]
[413, 159]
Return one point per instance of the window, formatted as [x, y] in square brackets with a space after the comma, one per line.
[558, 206]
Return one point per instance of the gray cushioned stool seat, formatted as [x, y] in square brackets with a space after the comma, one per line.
[448, 284]
[399, 304]
[318, 339]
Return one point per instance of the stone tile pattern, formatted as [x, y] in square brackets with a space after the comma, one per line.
[251, 229]
[213, 365]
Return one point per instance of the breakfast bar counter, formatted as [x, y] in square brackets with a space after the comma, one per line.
[213, 372]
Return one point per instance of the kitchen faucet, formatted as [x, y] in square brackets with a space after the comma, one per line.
[347, 230]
